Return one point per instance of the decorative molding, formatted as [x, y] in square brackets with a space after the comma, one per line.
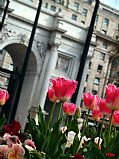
[53, 45]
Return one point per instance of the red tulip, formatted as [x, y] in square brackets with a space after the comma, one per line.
[12, 128]
[103, 107]
[112, 97]
[90, 100]
[115, 118]
[69, 108]
[51, 95]
[96, 114]
[3, 96]
[63, 88]
[78, 156]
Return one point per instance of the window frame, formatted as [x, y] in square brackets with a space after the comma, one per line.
[76, 6]
[106, 22]
[74, 15]
[52, 9]
[102, 58]
[85, 12]
[98, 80]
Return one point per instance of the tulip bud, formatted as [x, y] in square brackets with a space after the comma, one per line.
[78, 112]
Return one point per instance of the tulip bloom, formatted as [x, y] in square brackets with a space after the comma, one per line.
[96, 114]
[16, 152]
[3, 150]
[30, 143]
[103, 107]
[13, 128]
[63, 88]
[115, 118]
[90, 100]
[3, 96]
[51, 95]
[69, 108]
[112, 97]
[78, 156]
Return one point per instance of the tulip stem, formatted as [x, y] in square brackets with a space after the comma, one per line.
[110, 126]
[101, 129]
[59, 111]
[85, 124]
[51, 114]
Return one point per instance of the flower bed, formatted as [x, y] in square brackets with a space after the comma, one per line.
[65, 138]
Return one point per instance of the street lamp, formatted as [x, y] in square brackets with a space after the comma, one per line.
[4, 15]
[26, 60]
[85, 51]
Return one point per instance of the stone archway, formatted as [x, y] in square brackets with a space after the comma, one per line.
[17, 49]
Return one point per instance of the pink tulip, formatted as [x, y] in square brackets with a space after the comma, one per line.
[63, 88]
[51, 95]
[3, 151]
[115, 118]
[96, 114]
[112, 97]
[30, 143]
[3, 96]
[69, 108]
[15, 152]
[103, 107]
[90, 100]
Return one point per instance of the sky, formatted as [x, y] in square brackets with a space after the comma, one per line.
[112, 3]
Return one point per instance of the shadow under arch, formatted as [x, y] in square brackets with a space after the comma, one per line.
[17, 49]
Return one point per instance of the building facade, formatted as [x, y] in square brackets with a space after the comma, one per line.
[58, 47]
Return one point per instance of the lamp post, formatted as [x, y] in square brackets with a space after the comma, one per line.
[85, 51]
[26, 60]
[4, 15]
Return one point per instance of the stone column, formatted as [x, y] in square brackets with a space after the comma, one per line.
[52, 53]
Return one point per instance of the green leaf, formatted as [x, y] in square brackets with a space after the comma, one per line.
[41, 121]
[72, 125]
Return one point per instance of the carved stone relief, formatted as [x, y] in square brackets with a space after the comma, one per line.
[41, 46]
[7, 33]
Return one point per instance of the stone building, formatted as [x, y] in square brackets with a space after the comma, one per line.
[58, 47]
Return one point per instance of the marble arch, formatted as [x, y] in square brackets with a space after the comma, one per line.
[16, 47]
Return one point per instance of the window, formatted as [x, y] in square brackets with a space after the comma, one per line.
[99, 69]
[97, 81]
[90, 63]
[59, 9]
[53, 8]
[94, 92]
[85, 11]
[102, 56]
[106, 22]
[103, 31]
[76, 6]
[84, 90]
[74, 17]
[104, 45]
[59, 1]
[62, 64]
[87, 77]
[46, 5]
